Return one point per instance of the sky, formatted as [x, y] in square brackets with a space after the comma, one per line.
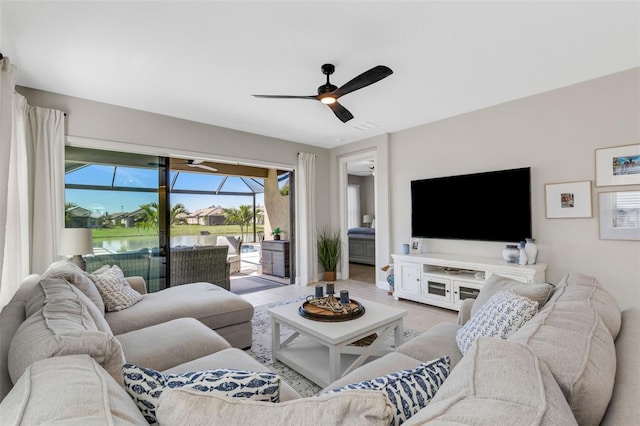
[106, 201]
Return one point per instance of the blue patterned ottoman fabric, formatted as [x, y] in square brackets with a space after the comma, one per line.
[503, 314]
[145, 385]
[408, 390]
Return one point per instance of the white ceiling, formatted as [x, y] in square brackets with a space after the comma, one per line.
[202, 60]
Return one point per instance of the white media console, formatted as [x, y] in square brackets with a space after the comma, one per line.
[445, 280]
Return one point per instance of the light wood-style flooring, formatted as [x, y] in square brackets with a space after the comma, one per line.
[420, 316]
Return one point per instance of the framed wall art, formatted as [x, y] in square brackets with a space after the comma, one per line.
[620, 215]
[619, 165]
[568, 200]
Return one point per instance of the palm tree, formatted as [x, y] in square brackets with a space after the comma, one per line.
[242, 215]
[177, 210]
[149, 216]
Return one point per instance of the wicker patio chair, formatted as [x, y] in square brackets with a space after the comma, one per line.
[132, 263]
[202, 264]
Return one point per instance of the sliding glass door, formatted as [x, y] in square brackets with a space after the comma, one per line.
[121, 197]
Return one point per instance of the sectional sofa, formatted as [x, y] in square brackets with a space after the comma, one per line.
[574, 362]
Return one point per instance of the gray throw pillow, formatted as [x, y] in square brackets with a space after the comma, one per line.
[536, 292]
[77, 277]
[114, 289]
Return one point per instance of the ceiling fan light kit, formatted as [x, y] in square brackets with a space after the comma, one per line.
[328, 93]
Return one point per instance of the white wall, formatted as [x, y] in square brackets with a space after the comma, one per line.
[556, 134]
[94, 123]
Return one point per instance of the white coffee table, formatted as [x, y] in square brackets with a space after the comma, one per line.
[321, 351]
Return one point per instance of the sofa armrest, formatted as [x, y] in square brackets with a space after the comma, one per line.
[465, 311]
[138, 284]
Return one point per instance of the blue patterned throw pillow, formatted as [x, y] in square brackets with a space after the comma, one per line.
[408, 390]
[503, 314]
[145, 385]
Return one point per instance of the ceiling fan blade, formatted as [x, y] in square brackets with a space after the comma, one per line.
[202, 166]
[197, 164]
[341, 112]
[285, 97]
[374, 75]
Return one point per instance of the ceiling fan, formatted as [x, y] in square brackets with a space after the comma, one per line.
[198, 164]
[328, 94]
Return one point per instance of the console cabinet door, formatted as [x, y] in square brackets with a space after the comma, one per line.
[408, 276]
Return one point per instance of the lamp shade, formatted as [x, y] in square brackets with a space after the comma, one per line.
[366, 218]
[75, 241]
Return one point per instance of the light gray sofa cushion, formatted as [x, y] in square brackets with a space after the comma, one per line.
[68, 390]
[537, 292]
[208, 303]
[576, 287]
[62, 326]
[624, 408]
[49, 289]
[353, 408]
[232, 358]
[497, 383]
[12, 315]
[77, 277]
[573, 341]
[439, 340]
[171, 343]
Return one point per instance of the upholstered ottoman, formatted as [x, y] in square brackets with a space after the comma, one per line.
[226, 313]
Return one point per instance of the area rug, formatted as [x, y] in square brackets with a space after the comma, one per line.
[248, 284]
[261, 347]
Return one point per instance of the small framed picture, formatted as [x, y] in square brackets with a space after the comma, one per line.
[568, 200]
[619, 165]
[416, 246]
[620, 215]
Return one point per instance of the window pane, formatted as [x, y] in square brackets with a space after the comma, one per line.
[93, 174]
[197, 181]
[136, 178]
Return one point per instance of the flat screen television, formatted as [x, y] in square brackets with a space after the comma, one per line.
[490, 206]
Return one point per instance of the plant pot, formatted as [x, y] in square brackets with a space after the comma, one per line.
[329, 275]
[276, 237]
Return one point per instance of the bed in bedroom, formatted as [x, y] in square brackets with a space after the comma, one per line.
[362, 245]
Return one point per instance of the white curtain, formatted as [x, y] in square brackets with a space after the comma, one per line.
[47, 176]
[33, 164]
[353, 206]
[306, 249]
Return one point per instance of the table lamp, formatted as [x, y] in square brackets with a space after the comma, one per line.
[367, 219]
[75, 242]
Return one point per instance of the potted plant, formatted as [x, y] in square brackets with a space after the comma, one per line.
[329, 251]
[276, 233]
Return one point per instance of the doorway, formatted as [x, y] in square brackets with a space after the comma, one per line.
[361, 216]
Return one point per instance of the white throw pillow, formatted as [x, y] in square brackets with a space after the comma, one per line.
[179, 407]
[145, 385]
[116, 292]
[503, 314]
[410, 390]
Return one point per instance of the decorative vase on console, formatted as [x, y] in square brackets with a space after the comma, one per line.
[522, 258]
[510, 253]
[532, 251]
